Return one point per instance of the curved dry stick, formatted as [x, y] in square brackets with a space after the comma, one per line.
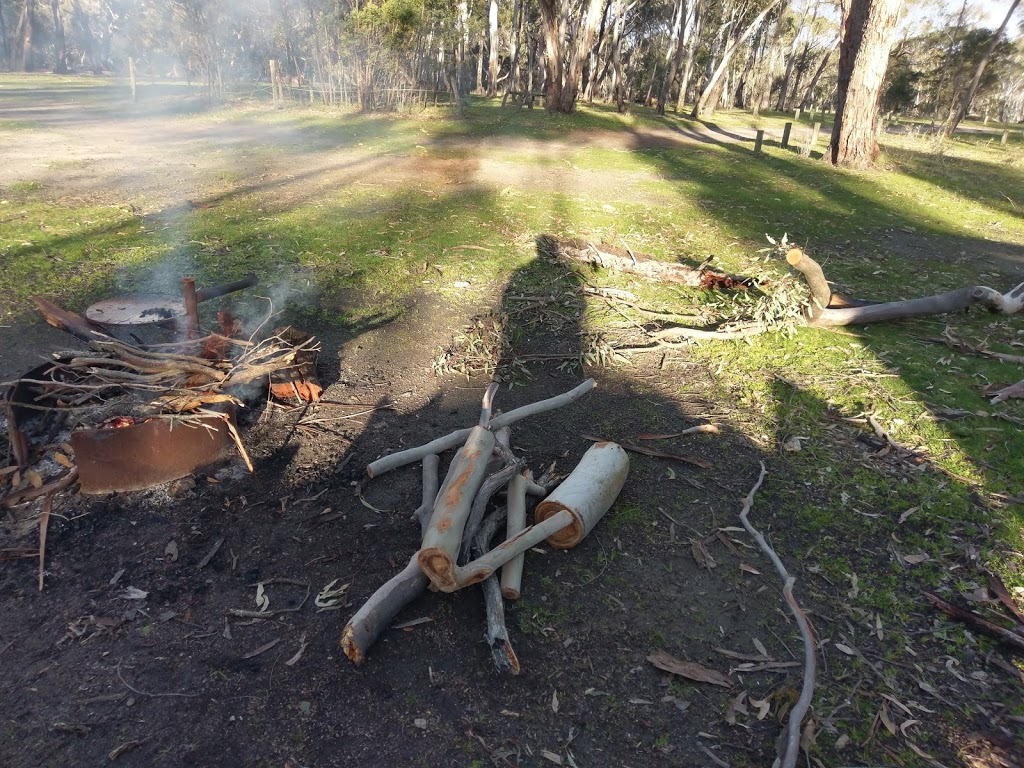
[821, 291]
[796, 716]
[490, 486]
[441, 444]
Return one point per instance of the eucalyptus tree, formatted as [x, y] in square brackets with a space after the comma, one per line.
[867, 36]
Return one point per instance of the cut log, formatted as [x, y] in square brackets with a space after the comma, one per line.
[440, 549]
[363, 629]
[512, 571]
[441, 444]
[821, 292]
[589, 492]
[616, 260]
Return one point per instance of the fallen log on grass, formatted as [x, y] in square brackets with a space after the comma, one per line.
[829, 310]
[614, 259]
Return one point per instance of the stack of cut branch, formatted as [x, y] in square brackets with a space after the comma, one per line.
[455, 525]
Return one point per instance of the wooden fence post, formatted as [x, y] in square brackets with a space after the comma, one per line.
[273, 80]
[1006, 134]
[758, 141]
[806, 152]
[785, 135]
[796, 114]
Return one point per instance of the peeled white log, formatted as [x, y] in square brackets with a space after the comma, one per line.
[443, 538]
[952, 301]
[588, 492]
[565, 517]
[512, 571]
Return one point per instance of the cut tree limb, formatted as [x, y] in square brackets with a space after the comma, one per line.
[1012, 391]
[616, 260]
[441, 544]
[441, 444]
[363, 629]
[512, 571]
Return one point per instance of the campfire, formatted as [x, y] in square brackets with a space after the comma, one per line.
[124, 416]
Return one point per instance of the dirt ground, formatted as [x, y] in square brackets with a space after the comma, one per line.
[91, 673]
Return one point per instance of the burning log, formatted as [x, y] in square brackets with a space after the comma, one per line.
[299, 380]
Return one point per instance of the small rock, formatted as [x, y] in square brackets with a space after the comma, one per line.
[180, 487]
[792, 445]
[420, 723]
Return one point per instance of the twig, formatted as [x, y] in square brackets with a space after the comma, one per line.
[135, 690]
[792, 746]
[44, 524]
[488, 402]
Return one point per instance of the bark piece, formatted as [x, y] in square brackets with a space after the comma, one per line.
[688, 669]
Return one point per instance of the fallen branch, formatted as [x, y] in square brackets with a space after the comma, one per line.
[612, 258]
[1012, 391]
[44, 524]
[380, 609]
[497, 633]
[791, 750]
[489, 487]
[1009, 637]
[441, 444]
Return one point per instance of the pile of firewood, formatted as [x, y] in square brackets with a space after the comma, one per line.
[456, 530]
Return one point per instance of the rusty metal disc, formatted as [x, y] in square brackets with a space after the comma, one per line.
[140, 309]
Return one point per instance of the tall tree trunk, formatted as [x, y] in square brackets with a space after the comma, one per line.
[553, 37]
[780, 105]
[867, 37]
[808, 98]
[618, 86]
[563, 75]
[26, 25]
[709, 95]
[580, 51]
[513, 38]
[972, 89]
[479, 86]
[4, 50]
[60, 50]
[492, 61]
[691, 35]
[674, 54]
